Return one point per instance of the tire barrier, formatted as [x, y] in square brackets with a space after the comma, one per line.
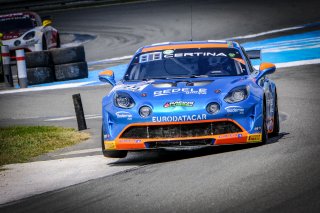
[69, 63]
[56, 65]
[40, 75]
[38, 59]
[39, 67]
[71, 71]
[68, 55]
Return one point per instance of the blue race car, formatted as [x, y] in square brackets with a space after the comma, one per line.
[184, 95]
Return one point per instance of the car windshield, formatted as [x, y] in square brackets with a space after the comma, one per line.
[10, 24]
[186, 63]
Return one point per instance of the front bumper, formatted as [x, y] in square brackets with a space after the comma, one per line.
[141, 136]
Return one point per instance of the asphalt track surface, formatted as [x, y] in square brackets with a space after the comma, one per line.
[282, 176]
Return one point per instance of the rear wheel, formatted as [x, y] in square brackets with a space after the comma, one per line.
[44, 43]
[58, 41]
[276, 122]
[113, 153]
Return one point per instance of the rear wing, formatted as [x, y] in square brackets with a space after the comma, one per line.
[254, 54]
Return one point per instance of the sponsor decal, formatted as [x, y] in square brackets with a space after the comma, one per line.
[257, 128]
[124, 114]
[150, 57]
[234, 135]
[179, 118]
[168, 52]
[235, 109]
[110, 145]
[188, 91]
[255, 138]
[191, 54]
[30, 42]
[133, 88]
[232, 55]
[129, 141]
[179, 103]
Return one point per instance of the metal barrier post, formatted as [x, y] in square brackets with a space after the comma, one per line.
[1, 68]
[22, 69]
[5, 53]
[79, 112]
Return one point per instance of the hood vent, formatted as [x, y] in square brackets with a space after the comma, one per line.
[188, 83]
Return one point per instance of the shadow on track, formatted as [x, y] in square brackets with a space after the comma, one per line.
[160, 156]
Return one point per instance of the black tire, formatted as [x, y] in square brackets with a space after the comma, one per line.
[111, 154]
[276, 121]
[68, 55]
[71, 71]
[40, 75]
[58, 41]
[44, 43]
[38, 59]
[264, 125]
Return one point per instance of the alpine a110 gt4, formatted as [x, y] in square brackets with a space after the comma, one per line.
[185, 95]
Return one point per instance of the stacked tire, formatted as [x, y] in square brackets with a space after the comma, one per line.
[69, 63]
[39, 67]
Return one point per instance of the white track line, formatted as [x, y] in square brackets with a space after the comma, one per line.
[295, 63]
[82, 151]
[109, 60]
[267, 32]
[60, 86]
[88, 117]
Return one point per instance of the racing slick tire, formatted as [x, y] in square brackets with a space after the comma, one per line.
[44, 43]
[68, 55]
[58, 41]
[38, 59]
[40, 75]
[111, 154]
[264, 125]
[276, 121]
[71, 71]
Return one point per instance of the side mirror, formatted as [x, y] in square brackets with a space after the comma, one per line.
[265, 69]
[254, 54]
[107, 76]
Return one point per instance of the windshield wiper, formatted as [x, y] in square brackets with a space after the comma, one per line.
[161, 78]
[175, 77]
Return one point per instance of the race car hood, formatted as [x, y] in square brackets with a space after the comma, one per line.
[181, 89]
[13, 34]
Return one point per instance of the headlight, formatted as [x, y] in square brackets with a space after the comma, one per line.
[29, 35]
[237, 94]
[17, 43]
[213, 108]
[145, 111]
[123, 100]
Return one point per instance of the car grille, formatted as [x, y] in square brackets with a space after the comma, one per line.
[182, 143]
[181, 130]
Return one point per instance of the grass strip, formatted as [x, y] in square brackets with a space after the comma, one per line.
[19, 144]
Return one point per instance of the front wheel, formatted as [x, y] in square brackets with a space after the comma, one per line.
[264, 126]
[276, 122]
[113, 153]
